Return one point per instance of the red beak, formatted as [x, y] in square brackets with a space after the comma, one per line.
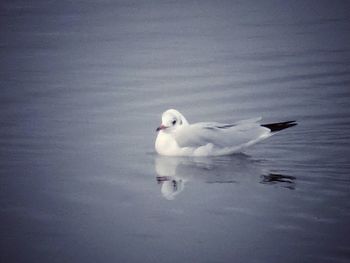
[161, 127]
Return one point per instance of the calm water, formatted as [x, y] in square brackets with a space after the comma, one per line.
[83, 85]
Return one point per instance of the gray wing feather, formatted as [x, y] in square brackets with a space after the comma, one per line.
[219, 134]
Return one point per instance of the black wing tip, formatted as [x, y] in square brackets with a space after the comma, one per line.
[278, 126]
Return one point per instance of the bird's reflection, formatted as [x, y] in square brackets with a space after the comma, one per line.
[170, 187]
[174, 172]
[286, 181]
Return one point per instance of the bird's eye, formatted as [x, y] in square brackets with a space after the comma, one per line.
[174, 122]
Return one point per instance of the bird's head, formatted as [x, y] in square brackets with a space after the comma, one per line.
[171, 120]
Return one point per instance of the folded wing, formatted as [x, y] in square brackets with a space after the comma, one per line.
[221, 134]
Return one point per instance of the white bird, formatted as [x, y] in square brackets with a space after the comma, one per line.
[176, 137]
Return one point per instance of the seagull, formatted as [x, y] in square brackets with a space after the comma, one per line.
[176, 137]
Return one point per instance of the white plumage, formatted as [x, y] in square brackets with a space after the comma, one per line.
[177, 137]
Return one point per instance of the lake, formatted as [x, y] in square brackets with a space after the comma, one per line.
[83, 87]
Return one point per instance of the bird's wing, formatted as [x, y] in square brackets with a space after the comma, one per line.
[219, 134]
[252, 120]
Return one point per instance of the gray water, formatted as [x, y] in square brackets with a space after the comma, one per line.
[83, 86]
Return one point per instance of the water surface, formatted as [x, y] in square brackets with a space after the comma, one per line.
[83, 85]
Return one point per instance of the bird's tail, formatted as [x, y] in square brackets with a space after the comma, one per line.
[278, 126]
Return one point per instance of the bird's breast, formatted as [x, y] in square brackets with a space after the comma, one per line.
[166, 144]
